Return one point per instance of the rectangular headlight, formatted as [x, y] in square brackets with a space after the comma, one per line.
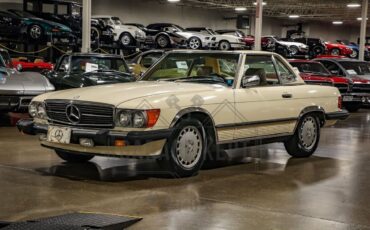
[137, 118]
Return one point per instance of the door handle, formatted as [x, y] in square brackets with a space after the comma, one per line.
[287, 95]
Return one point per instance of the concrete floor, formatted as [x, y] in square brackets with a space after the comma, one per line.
[262, 188]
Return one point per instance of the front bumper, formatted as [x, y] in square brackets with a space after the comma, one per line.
[339, 115]
[138, 143]
[14, 103]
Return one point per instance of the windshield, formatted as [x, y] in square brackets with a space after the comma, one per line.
[116, 21]
[24, 14]
[88, 64]
[196, 67]
[356, 68]
[212, 32]
[305, 67]
[240, 33]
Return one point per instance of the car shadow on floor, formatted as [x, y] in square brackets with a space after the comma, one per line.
[257, 161]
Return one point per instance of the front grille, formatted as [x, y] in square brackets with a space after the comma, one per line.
[343, 88]
[324, 83]
[92, 114]
[361, 88]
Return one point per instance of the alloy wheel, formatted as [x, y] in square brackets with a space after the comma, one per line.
[162, 41]
[189, 147]
[194, 43]
[126, 40]
[35, 32]
[308, 133]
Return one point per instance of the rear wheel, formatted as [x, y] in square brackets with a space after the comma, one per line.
[185, 150]
[318, 50]
[224, 45]
[293, 50]
[354, 54]
[95, 34]
[306, 138]
[35, 32]
[73, 157]
[163, 41]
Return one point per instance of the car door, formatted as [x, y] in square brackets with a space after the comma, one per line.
[267, 108]
[333, 67]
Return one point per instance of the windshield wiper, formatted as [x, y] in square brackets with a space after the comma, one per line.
[202, 79]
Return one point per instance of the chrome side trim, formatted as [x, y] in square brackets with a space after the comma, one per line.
[254, 138]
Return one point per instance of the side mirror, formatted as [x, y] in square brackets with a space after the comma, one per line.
[250, 81]
[64, 68]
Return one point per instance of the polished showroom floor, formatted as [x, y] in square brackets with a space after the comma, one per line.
[262, 188]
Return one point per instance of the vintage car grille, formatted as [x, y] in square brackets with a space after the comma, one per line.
[319, 83]
[91, 114]
[361, 88]
[343, 88]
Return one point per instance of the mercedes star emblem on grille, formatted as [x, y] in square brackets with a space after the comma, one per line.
[73, 113]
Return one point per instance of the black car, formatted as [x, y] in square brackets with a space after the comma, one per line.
[89, 69]
[10, 25]
[159, 37]
[68, 13]
[316, 45]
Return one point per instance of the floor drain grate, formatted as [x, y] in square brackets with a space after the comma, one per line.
[74, 221]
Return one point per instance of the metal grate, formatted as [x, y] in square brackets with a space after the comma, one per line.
[361, 88]
[343, 88]
[91, 114]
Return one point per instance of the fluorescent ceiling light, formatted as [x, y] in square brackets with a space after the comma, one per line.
[353, 5]
[360, 19]
[337, 22]
[294, 16]
[240, 9]
[263, 3]
[173, 0]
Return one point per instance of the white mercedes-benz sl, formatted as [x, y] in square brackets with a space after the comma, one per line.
[185, 108]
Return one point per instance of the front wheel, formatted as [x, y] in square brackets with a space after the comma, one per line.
[306, 138]
[293, 50]
[195, 43]
[163, 41]
[185, 150]
[353, 108]
[95, 34]
[126, 39]
[335, 52]
[73, 157]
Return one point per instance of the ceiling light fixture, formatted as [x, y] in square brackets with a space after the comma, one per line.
[173, 0]
[240, 9]
[353, 5]
[337, 22]
[360, 19]
[263, 3]
[294, 16]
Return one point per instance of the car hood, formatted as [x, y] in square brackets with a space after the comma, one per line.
[314, 77]
[338, 79]
[119, 93]
[24, 83]
[361, 78]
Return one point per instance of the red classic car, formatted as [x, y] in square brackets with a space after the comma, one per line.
[337, 49]
[313, 71]
[31, 63]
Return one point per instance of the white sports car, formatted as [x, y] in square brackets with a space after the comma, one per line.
[186, 107]
[223, 41]
[293, 47]
[126, 34]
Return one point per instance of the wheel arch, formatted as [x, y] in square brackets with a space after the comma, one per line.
[200, 114]
[318, 110]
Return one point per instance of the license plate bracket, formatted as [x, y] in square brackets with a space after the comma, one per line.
[348, 98]
[61, 135]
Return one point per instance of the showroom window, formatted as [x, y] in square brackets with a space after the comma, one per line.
[262, 64]
[48, 8]
[285, 74]
[62, 9]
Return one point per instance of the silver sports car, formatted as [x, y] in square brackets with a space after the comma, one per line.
[18, 88]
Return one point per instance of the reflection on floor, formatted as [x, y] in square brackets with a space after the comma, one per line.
[256, 188]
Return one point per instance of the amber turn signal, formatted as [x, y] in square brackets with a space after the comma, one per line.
[119, 143]
[152, 116]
